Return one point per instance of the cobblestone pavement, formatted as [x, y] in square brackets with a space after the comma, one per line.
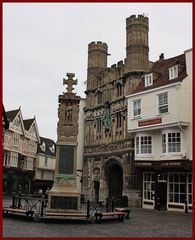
[142, 223]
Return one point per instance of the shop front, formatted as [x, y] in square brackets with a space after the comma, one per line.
[166, 185]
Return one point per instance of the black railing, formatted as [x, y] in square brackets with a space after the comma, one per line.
[91, 207]
[38, 203]
[35, 203]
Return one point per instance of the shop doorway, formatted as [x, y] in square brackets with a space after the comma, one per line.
[97, 189]
[162, 194]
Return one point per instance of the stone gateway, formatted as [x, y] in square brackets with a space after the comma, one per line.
[108, 167]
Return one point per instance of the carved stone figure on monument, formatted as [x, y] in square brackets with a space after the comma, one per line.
[68, 113]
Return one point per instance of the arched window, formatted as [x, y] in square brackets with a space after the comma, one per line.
[119, 89]
[99, 98]
[118, 120]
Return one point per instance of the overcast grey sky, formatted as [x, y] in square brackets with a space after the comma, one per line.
[44, 41]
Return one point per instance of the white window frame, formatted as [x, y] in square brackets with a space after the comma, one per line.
[17, 122]
[148, 185]
[16, 139]
[163, 103]
[170, 143]
[42, 173]
[189, 188]
[137, 108]
[148, 80]
[143, 145]
[32, 132]
[13, 159]
[30, 163]
[52, 148]
[43, 146]
[175, 193]
[46, 160]
[173, 72]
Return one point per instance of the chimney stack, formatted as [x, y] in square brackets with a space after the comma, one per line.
[161, 57]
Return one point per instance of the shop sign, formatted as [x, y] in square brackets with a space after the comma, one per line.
[143, 164]
[162, 181]
[171, 164]
[162, 164]
[149, 122]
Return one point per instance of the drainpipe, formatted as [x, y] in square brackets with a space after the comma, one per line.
[184, 131]
[179, 120]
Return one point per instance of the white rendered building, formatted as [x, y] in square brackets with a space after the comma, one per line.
[160, 118]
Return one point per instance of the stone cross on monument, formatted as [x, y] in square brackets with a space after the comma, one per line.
[64, 195]
[69, 82]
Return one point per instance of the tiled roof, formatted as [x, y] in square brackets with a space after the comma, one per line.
[28, 123]
[12, 114]
[48, 145]
[161, 67]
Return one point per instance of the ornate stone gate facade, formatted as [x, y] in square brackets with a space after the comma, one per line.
[107, 144]
[96, 168]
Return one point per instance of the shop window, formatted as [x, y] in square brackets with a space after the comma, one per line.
[189, 188]
[177, 188]
[149, 185]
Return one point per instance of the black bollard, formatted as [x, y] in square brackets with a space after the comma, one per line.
[19, 201]
[42, 205]
[106, 205]
[112, 204]
[13, 200]
[88, 207]
[186, 206]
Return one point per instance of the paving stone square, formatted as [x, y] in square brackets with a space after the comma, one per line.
[142, 223]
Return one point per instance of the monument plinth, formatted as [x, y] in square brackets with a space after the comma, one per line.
[64, 195]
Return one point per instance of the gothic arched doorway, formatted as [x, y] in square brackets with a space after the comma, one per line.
[115, 181]
[96, 189]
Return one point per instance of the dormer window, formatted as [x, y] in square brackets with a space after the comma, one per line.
[52, 148]
[148, 80]
[173, 72]
[43, 147]
[17, 122]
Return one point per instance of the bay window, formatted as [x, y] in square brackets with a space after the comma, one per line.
[171, 142]
[143, 144]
